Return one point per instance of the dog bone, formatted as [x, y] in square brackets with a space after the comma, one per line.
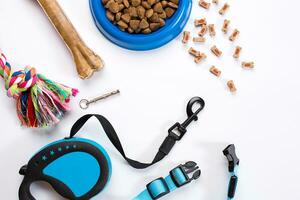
[87, 62]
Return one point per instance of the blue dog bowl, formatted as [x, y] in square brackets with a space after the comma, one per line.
[142, 42]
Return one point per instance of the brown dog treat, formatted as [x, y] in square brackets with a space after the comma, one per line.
[203, 31]
[144, 24]
[126, 18]
[234, 35]
[186, 37]
[161, 22]
[248, 65]
[113, 6]
[149, 13]
[231, 86]
[154, 18]
[136, 3]
[211, 29]
[164, 3]
[172, 5]
[174, 1]
[216, 51]
[141, 12]
[215, 71]
[146, 5]
[122, 24]
[118, 16]
[225, 26]
[134, 24]
[132, 11]
[194, 52]
[237, 52]
[199, 39]
[162, 15]
[200, 58]
[154, 26]
[204, 4]
[158, 8]
[151, 2]
[169, 12]
[110, 16]
[147, 31]
[224, 9]
[200, 22]
[126, 3]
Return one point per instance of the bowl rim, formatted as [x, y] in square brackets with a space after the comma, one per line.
[141, 42]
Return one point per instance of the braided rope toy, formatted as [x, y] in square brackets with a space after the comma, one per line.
[40, 102]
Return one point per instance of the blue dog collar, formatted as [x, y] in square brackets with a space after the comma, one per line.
[178, 177]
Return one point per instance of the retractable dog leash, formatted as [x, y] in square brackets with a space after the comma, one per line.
[79, 169]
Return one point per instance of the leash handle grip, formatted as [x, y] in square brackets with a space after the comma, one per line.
[24, 190]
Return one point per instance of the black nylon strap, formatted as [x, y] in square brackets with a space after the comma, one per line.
[176, 132]
[113, 137]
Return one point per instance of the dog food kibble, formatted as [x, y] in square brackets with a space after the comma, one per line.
[194, 52]
[200, 22]
[231, 86]
[204, 4]
[216, 51]
[215, 71]
[211, 29]
[224, 9]
[248, 65]
[186, 37]
[234, 35]
[200, 58]
[203, 31]
[237, 52]
[199, 39]
[140, 16]
[225, 26]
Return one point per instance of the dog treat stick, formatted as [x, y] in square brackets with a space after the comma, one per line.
[87, 62]
[237, 52]
[248, 65]
[215, 71]
[186, 37]
[231, 86]
[216, 51]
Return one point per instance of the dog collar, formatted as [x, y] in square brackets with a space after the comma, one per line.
[177, 178]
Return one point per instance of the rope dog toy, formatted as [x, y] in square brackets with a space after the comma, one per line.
[40, 101]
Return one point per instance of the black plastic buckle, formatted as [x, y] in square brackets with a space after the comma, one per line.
[161, 194]
[186, 169]
[177, 131]
[231, 156]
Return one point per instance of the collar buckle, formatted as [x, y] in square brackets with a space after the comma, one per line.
[181, 175]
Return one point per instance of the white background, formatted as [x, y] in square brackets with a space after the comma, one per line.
[261, 119]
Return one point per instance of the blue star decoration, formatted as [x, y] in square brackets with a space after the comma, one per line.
[52, 153]
[74, 146]
[67, 147]
[59, 149]
[44, 158]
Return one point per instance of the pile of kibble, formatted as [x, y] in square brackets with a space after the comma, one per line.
[139, 16]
